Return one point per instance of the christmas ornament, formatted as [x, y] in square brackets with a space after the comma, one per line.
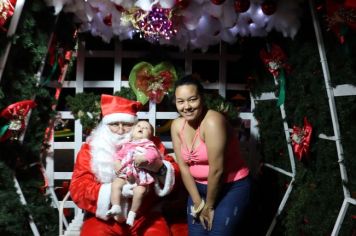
[341, 17]
[217, 2]
[269, 7]
[182, 4]
[107, 20]
[275, 60]
[241, 5]
[152, 82]
[16, 114]
[6, 10]
[301, 139]
[152, 25]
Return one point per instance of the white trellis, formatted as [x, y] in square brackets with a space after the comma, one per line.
[343, 90]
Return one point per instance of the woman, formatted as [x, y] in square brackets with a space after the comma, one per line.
[209, 158]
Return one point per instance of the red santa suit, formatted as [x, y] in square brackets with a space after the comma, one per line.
[91, 186]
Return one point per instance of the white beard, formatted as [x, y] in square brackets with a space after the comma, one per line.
[104, 144]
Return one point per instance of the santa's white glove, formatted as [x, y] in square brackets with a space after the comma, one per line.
[127, 190]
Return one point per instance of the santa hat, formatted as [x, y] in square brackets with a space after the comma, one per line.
[118, 109]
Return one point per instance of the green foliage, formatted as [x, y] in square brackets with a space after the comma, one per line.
[17, 159]
[86, 108]
[11, 206]
[218, 103]
[126, 93]
[20, 82]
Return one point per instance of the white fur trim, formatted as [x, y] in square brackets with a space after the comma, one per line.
[103, 203]
[119, 117]
[168, 183]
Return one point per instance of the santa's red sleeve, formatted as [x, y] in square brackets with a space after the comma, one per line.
[89, 194]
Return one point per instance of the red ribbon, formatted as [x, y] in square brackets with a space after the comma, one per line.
[301, 139]
[274, 59]
[16, 112]
[6, 10]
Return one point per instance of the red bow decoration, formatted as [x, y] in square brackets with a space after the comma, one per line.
[341, 16]
[274, 59]
[301, 139]
[16, 114]
[6, 10]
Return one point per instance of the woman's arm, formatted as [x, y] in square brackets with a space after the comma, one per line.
[187, 178]
[215, 137]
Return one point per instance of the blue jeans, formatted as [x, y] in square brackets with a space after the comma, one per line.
[229, 208]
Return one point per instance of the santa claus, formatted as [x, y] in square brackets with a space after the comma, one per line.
[94, 171]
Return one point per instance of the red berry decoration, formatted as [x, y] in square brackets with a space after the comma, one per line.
[269, 7]
[241, 5]
[217, 2]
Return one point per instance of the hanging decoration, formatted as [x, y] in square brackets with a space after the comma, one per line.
[182, 4]
[152, 82]
[217, 2]
[269, 7]
[242, 5]
[301, 139]
[6, 10]
[188, 24]
[275, 61]
[152, 25]
[16, 114]
[341, 16]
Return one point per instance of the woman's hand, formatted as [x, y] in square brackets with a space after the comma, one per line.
[206, 217]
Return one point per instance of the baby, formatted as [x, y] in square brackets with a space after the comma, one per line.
[138, 150]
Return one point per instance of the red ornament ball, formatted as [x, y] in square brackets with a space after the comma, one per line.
[107, 20]
[241, 5]
[119, 8]
[217, 2]
[269, 7]
[182, 3]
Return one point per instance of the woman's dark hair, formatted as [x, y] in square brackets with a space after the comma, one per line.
[189, 80]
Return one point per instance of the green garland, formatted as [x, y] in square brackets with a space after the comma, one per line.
[19, 82]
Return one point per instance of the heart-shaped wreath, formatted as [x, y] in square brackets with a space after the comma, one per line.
[152, 82]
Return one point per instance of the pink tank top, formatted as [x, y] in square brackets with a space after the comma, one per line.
[197, 159]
